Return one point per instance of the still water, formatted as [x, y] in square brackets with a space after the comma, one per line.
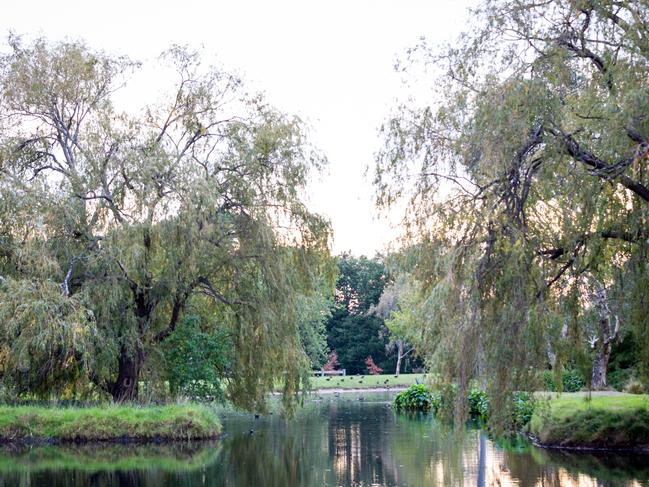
[333, 441]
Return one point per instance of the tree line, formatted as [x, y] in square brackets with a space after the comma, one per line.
[126, 237]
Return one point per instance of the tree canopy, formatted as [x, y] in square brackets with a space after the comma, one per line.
[527, 185]
[352, 330]
[115, 226]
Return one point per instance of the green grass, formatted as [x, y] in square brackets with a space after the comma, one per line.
[606, 421]
[171, 422]
[365, 381]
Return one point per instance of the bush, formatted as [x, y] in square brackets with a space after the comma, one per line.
[634, 386]
[571, 380]
[372, 368]
[197, 360]
[417, 397]
[619, 378]
[441, 401]
[478, 404]
[522, 409]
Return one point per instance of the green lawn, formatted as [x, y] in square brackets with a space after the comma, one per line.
[366, 381]
[171, 422]
[604, 421]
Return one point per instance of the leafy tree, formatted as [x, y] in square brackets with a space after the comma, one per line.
[332, 362]
[352, 331]
[312, 314]
[398, 306]
[113, 225]
[530, 179]
[197, 360]
[371, 367]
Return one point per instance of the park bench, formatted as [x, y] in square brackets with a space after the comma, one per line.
[322, 373]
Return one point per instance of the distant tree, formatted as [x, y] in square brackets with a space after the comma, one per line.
[312, 313]
[351, 331]
[398, 306]
[371, 367]
[332, 362]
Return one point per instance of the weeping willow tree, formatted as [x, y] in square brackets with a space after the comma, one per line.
[115, 224]
[526, 180]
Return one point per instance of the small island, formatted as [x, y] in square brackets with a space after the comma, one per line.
[111, 423]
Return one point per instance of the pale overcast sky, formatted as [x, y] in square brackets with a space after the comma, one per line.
[330, 62]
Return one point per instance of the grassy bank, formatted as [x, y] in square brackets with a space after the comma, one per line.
[604, 422]
[110, 423]
[365, 381]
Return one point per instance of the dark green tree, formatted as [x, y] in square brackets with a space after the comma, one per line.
[353, 332]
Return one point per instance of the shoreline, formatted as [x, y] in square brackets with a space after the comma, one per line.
[116, 424]
[587, 449]
[342, 390]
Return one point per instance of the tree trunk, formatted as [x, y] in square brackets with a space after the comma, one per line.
[600, 366]
[125, 387]
[603, 348]
[603, 343]
[399, 356]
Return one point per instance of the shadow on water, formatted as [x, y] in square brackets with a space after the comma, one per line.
[337, 441]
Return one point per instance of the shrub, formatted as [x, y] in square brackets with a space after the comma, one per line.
[441, 402]
[522, 409]
[332, 362]
[478, 404]
[571, 380]
[417, 397]
[634, 386]
[197, 360]
[372, 368]
[619, 378]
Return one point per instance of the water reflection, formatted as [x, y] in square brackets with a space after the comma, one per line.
[337, 442]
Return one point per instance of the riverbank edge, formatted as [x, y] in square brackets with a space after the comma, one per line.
[340, 390]
[586, 448]
[117, 424]
[347, 390]
[605, 423]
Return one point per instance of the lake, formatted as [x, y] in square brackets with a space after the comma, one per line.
[332, 441]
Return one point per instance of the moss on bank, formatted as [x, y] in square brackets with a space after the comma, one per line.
[603, 422]
[110, 423]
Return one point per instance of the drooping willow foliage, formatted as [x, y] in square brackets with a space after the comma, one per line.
[527, 185]
[115, 226]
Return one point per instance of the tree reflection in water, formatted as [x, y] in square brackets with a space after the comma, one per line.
[337, 442]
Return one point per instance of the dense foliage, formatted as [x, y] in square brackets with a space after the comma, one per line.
[571, 381]
[527, 191]
[417, 397]
[197, 360]
[114, 225]
[442, 401]
[352, 331]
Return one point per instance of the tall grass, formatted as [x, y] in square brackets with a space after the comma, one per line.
[110, 422]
